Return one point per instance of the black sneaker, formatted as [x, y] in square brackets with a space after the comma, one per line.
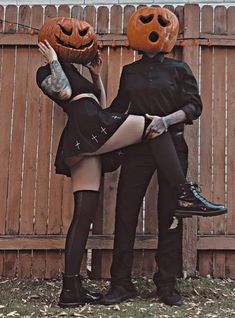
[169, 295]
[117, 294]
[191, 202]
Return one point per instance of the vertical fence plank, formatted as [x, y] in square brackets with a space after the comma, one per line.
[25, 264]
[205, 225]
[230, 264]
[230, 256]
[39, 264]
[231, 126]
[44, 154]
[2, 210]
[220, 27]
[90, 15]
[205, 263]
[17, 138]
[7, 99]
[77, 12]
[191, 56]
[219, 118]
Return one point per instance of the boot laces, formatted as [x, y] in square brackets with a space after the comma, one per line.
[196, 189]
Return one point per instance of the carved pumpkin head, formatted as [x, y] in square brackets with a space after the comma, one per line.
[73, 40]
[152, 30]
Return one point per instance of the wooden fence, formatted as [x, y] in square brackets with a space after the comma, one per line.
[36, 204]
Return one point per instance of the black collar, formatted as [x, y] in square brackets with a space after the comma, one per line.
[159, 57]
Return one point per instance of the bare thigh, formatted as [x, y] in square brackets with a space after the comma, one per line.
[86, 174]
[130, 132]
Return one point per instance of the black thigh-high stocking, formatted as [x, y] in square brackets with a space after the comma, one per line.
[167, 160]
[85, 206]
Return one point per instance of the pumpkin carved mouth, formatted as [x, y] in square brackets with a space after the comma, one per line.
[71, 46]
[153, 37]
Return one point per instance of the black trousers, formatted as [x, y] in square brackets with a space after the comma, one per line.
[135, 175]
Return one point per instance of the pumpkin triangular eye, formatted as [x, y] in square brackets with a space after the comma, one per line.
[163, 21]
[65, 30]
[84, 31]
[146, 19]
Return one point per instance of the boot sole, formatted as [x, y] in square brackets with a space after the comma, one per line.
[199, 213]
[71, 305]
[109, 303]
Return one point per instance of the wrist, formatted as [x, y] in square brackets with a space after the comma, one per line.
[95, 77]
[166, 123]
[52, 60]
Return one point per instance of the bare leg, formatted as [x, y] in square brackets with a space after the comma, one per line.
[86, 174]
[130, 132]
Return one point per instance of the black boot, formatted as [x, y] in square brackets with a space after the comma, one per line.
[190, 203]
[117, 294]
[73, 294]
[170, 295]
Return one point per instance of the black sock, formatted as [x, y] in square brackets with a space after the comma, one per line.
[167, 160]
[85, 206]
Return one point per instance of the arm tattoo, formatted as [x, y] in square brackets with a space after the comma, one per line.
[57, 85]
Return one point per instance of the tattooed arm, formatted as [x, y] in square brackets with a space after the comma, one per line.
[55, 85]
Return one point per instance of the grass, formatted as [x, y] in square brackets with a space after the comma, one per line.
[203, 297]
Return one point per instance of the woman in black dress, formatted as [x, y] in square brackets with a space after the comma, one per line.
[91, 131]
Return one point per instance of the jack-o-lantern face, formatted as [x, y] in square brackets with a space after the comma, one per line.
[152, 30]
[73, 40]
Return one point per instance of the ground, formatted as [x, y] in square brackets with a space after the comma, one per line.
[203, 298]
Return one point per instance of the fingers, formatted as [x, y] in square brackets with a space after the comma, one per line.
[152, 135]
[149, 116]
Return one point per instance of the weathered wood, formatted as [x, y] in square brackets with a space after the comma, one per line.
[99, 242]
[216, 242]
[19, 103]
[205, 225]
[230, 127]
[31, 190]
[191, 56]
[219, 108]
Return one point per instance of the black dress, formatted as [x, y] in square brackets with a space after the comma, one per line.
[88, 126]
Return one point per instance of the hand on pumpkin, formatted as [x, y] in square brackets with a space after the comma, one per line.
[95, 66]
[156, 127]
[47, 51]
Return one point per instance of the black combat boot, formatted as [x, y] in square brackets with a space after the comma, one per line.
[170, 295]
[118, 293]
[191, 202]
[73, 294]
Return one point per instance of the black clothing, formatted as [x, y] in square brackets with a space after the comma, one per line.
[73, 294]
[158, 86]
[85, 206]
[117, 294]
[135, 175]
[88, 126]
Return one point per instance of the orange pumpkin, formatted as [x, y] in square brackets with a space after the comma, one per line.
[73, 40]
[152, 30]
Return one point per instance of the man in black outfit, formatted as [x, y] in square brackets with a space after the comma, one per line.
[165, 87]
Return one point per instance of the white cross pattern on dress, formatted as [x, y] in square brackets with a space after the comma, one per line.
[94, 138]
[103, 130]
[120, 153]
[77, 144]
[116, 117]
